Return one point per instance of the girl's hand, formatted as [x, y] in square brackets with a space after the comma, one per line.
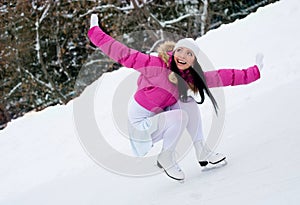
[94, 20]
[259, 61]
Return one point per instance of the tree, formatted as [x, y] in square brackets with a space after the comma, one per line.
[47, 59]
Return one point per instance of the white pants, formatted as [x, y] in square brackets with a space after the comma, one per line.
[146, 128]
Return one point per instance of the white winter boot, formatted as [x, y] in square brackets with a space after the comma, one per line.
[206, 156]
[166, 161]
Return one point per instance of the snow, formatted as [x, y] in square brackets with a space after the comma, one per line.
[43, 162]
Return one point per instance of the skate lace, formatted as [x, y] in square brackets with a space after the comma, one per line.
[174, 160]
[177, 167]
[206, 153]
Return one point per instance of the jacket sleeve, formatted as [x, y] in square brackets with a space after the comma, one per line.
[231, 77]
[117, 51]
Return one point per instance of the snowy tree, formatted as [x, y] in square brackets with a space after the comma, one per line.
[44, 46]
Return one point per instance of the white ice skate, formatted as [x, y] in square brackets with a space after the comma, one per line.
[166, 161]
[207, 158]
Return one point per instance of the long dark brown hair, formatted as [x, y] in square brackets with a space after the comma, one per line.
[199, 84]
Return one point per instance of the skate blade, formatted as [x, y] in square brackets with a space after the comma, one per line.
[211, 166]
[181, 181]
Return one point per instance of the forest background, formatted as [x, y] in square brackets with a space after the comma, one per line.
[46, 58]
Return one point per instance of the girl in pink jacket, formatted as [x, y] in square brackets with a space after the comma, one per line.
[161, 108]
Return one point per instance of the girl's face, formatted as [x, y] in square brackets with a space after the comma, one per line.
[184, 58]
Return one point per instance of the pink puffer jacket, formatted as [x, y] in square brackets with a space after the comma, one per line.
[155, 92]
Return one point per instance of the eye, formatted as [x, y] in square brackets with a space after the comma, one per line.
[190, 54]
[178, 50]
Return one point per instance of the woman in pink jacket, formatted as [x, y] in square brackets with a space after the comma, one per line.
[161, 108]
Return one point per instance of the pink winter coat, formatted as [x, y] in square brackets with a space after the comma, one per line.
[155, 92]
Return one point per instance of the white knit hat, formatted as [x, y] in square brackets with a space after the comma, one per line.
[190, 44]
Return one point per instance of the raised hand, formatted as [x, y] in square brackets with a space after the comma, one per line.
[259, 61]
[94, 20]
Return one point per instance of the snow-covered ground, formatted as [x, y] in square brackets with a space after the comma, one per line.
[42, 160]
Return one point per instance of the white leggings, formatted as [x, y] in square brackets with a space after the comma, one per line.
[170, 124]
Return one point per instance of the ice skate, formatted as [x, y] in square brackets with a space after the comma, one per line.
[207, 158]
[166, 161]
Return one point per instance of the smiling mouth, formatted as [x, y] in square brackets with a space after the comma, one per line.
[181, 62]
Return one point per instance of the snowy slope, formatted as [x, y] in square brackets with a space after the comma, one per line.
[43, 162]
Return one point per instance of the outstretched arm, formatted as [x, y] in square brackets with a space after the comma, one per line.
[231, 77]
[119, 52]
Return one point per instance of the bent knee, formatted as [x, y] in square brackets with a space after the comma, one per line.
[182, 117]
